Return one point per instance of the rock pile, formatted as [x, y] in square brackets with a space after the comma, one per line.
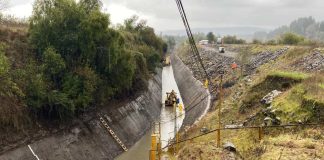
[213, 62]
[270, 96]
[311, 63]
[263, 58]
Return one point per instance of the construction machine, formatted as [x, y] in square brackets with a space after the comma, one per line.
[221, 49]
[171, 98]
[166, 60]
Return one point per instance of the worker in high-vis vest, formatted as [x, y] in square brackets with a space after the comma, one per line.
[234, 68]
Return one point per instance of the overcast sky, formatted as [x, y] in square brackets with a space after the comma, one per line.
[163, 14]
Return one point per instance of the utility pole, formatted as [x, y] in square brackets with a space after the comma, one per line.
[160, 143]
[175, 124]
[219, 108]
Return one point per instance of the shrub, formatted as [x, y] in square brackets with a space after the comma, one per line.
[233, 40]
[271, 42]
[291, 39]
[12, 109]
[256, 41]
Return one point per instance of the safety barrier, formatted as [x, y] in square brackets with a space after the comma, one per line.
[259, 128]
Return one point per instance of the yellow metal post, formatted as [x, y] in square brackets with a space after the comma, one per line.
[153, 147]
[159, 153]
[219, 110]
[175, 126]
[260, 133]
[177, 141]
[160, 142]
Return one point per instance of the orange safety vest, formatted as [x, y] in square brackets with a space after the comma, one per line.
[234, 66]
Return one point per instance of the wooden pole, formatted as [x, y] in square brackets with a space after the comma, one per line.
[219, 109]
[260, 133]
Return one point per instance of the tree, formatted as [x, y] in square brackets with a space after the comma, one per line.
[170, 41]
[300, 25]
[233, 40]
[53, 65]
[271, 42]
[211, 37]
[291, 39]
[277, 32]
[256, 41]
[69, 36]
[79, 51]
[321, 27]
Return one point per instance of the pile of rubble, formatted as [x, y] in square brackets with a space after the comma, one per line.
[311, 63]
[263, 58]
[270, 96]
[213, 62]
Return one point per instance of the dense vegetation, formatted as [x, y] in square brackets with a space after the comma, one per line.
[291, 39]
[77, 60]
[233, 40]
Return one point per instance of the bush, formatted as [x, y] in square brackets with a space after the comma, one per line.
[291, 39]
[12, 109]
[271, 42]
[256, 41]
[80, 35]
[233, 40]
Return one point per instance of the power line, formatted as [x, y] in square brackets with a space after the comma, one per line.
[190, 36]
[191, 43]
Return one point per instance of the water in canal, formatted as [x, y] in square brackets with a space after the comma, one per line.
[140, 151]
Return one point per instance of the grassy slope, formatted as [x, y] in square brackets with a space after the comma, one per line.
[289, 143]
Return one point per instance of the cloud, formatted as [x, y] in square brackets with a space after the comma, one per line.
[20, 8]
[163, 14]
[212, 13]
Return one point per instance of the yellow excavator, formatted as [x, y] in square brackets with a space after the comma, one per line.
[171, 98]
[166, 60]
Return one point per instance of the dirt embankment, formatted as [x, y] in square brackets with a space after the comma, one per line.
[296, 64]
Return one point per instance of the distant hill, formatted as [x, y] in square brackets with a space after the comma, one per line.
[238, 31]
[304, 26]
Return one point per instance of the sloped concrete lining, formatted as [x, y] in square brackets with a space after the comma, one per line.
[195, 97]
[88, 140]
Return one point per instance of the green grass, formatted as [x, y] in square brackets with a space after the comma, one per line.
[298, 103]
[256, 49]
[321, 85]
[290, 75]
[290, 146]
[289, 107]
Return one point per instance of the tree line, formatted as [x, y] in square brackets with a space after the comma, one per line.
[306, 27]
